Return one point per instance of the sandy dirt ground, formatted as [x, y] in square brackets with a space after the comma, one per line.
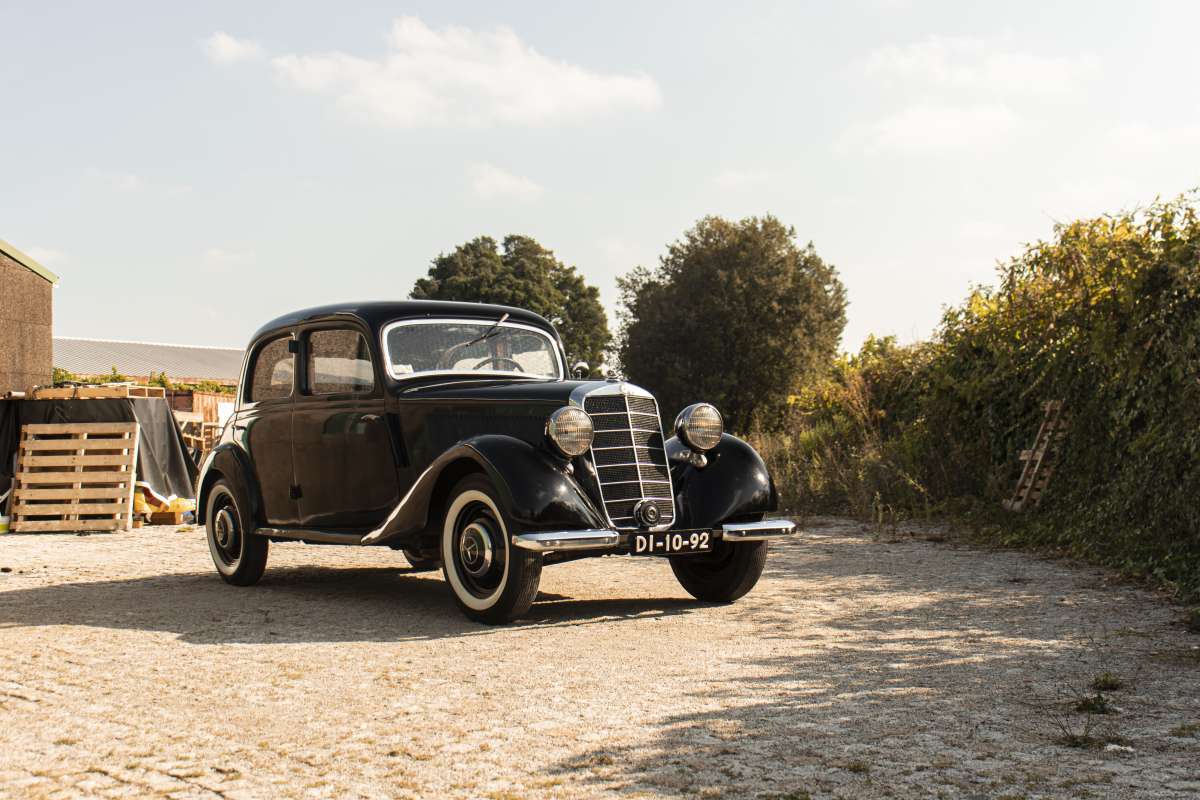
[863, 665]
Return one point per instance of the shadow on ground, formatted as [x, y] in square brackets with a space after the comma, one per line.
[911, 678]
[297, 604]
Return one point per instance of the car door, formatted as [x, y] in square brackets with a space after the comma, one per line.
[344, 455]
[264, 424]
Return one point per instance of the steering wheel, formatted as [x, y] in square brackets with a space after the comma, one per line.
[499, 360]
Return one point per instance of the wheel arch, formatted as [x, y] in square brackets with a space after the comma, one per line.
[733, 484]
[535, 490]
[228, 462]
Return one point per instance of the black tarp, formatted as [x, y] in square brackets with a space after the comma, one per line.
[164, 465]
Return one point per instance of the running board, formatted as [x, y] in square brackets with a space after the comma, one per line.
[311, 535]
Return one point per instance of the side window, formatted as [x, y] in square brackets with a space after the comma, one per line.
[271, 378]
[339, 362]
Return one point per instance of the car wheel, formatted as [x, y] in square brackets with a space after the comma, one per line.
[418, 563]
[724, 575]
[239, 554]
[493, 581]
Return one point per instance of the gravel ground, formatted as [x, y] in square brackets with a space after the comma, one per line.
[863, 665]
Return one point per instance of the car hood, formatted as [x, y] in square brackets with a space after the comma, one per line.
[529, 391]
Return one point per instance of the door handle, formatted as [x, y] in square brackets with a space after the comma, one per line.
[370, 418]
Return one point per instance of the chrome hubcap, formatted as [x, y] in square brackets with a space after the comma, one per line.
[223, 527]
[475, 549]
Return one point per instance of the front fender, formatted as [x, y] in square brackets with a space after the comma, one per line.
[231, 462]
[535, 490]
[734, 484]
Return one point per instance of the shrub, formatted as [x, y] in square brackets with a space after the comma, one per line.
[1106, 318]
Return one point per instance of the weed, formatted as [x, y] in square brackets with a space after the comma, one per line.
[1107, 682]
[1094, 704]
[1187, 729]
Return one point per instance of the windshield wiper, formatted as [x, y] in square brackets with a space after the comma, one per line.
[444, 361]
[489, 333]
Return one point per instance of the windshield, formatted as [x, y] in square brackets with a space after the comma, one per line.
[413, 347]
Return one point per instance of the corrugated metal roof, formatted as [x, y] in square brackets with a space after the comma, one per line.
[28, 262]
[140, 359]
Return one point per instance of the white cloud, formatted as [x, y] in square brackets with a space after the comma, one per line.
[976, 65]
[221, 48]
[981, 230]
[216, 259]
[935, 129]
[1089, 197]
[130, 182]
[1143, 139]
[735, 179]
[458, 76]
[47, 255]
[490, 182]
[121, 181]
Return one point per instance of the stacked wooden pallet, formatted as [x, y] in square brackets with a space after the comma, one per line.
[75, 476]
[97, 392]
[199, 436]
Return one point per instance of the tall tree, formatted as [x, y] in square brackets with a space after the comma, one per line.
[736, 314]
[522, 273]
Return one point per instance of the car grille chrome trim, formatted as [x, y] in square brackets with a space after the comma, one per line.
[628, 434]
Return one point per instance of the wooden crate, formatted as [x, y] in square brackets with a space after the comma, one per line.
[97, 392]
[75, 476]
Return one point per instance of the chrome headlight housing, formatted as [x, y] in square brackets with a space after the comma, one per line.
[570, 430]
[700, 427]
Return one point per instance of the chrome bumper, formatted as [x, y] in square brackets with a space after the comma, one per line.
[567, 540]
[559, 541]
[757, 531]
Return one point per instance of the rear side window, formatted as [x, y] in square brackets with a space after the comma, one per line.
[271, 378]
[339, 362]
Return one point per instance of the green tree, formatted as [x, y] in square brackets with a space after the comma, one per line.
[523, 273]
[736, 314]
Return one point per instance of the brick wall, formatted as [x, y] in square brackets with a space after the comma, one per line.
[25, 327]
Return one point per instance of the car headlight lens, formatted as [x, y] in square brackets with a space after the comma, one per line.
[570, 430]
[700, 427]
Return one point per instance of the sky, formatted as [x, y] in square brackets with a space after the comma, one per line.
[192, 170]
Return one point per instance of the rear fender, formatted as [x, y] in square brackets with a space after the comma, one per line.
[230, 462]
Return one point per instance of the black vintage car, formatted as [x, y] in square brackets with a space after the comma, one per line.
[452, 432]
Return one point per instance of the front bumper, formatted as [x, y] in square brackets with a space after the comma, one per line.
[601, 540]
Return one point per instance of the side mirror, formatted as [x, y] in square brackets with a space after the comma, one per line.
[580, 370]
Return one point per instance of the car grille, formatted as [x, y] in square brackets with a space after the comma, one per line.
[630, 460]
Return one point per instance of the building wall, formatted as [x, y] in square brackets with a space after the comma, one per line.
[26, 350]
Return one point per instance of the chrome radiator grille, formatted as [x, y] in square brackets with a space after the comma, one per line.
[629, 457]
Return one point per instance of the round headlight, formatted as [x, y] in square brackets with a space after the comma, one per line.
[700, 427]
[570, 430]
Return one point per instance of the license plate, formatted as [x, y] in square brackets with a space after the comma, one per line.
[669, 543]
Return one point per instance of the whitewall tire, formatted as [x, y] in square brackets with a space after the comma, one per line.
[492, 581]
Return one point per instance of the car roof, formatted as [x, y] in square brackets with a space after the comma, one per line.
[377, 313]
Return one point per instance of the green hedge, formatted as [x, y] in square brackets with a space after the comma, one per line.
[1106, 318]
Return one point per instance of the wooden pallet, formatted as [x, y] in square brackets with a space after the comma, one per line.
[75, 476]
[97, 392]
[198, 435]
[1040, 461]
